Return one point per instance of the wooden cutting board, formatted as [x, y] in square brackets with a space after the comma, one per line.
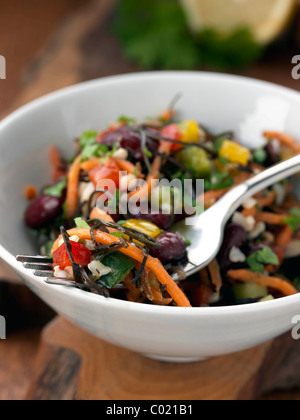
[73, 364]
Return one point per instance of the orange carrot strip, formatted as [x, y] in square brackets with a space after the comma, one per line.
[215, 274]
[72, 191]
[266, 201]
[272, 282]
[271, 219]
[253, 211]
[153, 264]
[284, 139]
[285, 237]
[56, 164]
[90, 164]
[126, 166]
[101, 215]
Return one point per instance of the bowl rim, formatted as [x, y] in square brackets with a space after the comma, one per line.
[10, 259]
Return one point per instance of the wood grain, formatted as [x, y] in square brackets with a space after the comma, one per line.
[111, 373]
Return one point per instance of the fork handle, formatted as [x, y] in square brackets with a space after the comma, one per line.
[235, 198]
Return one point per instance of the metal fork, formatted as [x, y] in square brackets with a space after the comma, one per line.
[206, 232]
[43, 267]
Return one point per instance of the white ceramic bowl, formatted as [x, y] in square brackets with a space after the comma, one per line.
[218, 101]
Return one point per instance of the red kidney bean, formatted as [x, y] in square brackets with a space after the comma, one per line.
[43, 209]
[272, 154]
[173, 247]
[234, 236]
[128, 139]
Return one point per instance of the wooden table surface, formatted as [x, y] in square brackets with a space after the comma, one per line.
[49, 45]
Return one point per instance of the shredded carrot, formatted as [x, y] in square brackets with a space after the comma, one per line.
[266, 201]
[126, 166]
[72, 191]
[56, 164]
[153, 264]
[271, 219]
[272, 282]
[251, 212]
[133, 293]
[30, 192]
[215, 275]
[101, 215]
[284, 139]
[285, 237]
[90, 164]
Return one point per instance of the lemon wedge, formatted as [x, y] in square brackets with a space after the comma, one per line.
[266, 19]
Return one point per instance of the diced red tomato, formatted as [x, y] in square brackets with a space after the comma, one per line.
[108, 171]
[172, 132]
[82, 256]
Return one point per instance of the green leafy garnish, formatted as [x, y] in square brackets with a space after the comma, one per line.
[127, 120]
[117, 234]
[80, 223]
[294, 220]
[259, 259]
[87, 138]
[219, 181]
[57, 190]
[94, 150]
[147, 152]
[156, 34]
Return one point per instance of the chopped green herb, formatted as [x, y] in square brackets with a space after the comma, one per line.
[126, 120]
[80, 223]
[94, 150]
[57, 190]
[294, 220]
[148, 153]
[219, 181]
[218, 143]
[117, 234]
[87, 138]
[141, 27]
[259, 259]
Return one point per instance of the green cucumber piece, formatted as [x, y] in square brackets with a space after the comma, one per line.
[249, 291]
[120, 264]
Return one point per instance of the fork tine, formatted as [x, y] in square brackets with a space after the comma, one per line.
[59, 281]
[43, 273]
[38, 266]
[33, 259]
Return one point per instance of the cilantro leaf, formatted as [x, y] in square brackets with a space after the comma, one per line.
[94, 150]
[294, 220]
[57, 190]
[87, 138]
[156, 34]
[259, 259]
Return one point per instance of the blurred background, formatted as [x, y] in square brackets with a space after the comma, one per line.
[50, 45]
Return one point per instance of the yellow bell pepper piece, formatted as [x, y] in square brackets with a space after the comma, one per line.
[142, 226]
[190, 131]
[235, 153]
